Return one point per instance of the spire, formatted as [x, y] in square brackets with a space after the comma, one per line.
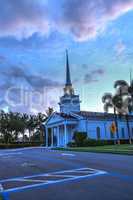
[68, 78]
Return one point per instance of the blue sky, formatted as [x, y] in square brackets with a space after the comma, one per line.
[34, 35]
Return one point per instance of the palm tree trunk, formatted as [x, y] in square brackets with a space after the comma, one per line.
[29, 135]
[23, 137]
[41, 129]
[116, 123]
[128, 128]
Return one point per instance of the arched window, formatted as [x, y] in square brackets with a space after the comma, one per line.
[122, 132]
[98, 133]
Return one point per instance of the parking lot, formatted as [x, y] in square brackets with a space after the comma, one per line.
[39, 173]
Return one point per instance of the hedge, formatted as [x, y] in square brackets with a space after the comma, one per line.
[93, 142]
[18, 145]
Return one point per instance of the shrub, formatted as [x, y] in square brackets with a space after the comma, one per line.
[1, 197]
[71, 144]
[93, 142]
[18, 145]
[79, 138]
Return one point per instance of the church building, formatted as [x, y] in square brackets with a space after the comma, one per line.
[61, 126]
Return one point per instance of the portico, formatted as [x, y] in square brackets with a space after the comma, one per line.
[59, 134]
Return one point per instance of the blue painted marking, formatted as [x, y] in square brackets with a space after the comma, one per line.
[5, 196]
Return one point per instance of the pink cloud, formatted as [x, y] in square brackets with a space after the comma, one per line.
[88, 18]
[84, 19]
[22, 18]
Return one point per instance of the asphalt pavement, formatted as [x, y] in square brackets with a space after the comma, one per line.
[38, 174]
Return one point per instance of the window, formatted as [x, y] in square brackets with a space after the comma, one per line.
[98, 133]
[111, 135]
[75, 101]
[66, 101]
[122, 132]
[132, 131]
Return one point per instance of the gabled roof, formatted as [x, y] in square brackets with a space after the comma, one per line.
[58, 117]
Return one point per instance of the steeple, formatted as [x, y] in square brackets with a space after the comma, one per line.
[69, 102]
[68, 76]
[68, 89]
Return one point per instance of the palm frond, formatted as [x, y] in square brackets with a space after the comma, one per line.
[120, 83]
[106, 96]
[107, 106]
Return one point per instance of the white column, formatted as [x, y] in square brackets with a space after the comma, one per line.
[58, 136]
[65, 134]
[46, 137]
[52, 137]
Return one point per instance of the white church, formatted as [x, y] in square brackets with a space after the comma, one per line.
[60, 126]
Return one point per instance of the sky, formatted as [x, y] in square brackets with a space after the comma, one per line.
[34, 35]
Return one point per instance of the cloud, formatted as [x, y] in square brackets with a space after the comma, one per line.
[84, 19]
[88, 18]
[39, 82]
[120, 48]
[93, 76]
[36, 81]
[2, 59]
[23, 18]
[24, 91]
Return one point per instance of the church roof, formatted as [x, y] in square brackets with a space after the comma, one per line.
[100, 115]
[76, 116]
[66, 116]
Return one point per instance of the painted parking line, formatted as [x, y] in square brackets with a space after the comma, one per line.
[20, 150]
[68, 154]
[18, 184]
[11, 154]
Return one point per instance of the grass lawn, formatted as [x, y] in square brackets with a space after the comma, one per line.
[117, 149]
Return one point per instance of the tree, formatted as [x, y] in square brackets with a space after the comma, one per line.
[4, 125]
[124, 94]
[109, 102]
[12, 125]
[49, 111]
[40, 119]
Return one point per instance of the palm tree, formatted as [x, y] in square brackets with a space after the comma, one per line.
[14, 124]
[49, 111]
[31, 125]
[130, 102]
[124, 92]
[108, 101]
[40, 118]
